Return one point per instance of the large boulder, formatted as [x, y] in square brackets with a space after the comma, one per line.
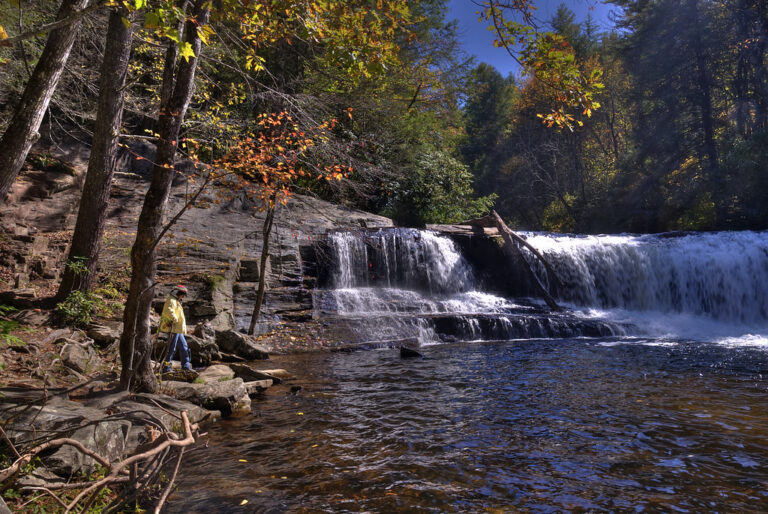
[216, 373]
[70, 419]
[107, 438]
[240, 345]
[202, 351]
[80, 357]
[103, 335]
[205, 332]
[227, 397]
[112, 425]
[161, 408]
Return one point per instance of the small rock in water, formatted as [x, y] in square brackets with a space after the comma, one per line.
[295, 389]
[407, 353]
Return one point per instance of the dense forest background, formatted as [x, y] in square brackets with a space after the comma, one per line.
[680, 141]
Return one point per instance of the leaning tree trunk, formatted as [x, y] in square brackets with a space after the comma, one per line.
[86, 241]
[22, 130]
[266, 231]
[511, 241]
[178, 82]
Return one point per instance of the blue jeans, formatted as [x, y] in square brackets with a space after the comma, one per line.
[179, 342]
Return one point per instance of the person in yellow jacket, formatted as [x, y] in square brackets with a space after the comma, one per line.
[172, 320]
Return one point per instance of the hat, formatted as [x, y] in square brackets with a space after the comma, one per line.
[179, 290]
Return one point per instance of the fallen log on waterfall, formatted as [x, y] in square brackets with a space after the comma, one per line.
[511, 242]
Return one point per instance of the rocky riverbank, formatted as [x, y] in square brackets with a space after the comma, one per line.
[64, 387]
[60, 382]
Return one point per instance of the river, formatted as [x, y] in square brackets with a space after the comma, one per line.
[664, 408]
[539, 425]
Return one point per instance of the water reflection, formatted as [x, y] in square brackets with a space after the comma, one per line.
[542, 426]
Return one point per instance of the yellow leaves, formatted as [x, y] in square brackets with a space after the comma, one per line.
[243, 502]
[205, 32]
[3, 33]
[185, 50]
[241, 460]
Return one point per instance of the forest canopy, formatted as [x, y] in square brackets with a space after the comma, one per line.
[672, 134]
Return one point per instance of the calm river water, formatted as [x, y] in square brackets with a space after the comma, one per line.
[535, 425]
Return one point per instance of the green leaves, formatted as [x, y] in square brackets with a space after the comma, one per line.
[549, 58]
[152, 20]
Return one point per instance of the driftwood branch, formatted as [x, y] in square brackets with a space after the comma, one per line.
[511, 242]
[159, 445]
[169, 487]
[553, 278]
[11, 470]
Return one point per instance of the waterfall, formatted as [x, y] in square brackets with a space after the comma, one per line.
[407, 258]
[395, 284]
[722, 276]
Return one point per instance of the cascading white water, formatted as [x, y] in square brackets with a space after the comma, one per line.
[405, 258]
[711, 286]
[402, 283]
[723, 275]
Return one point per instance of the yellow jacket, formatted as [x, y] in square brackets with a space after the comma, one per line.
[172, 318]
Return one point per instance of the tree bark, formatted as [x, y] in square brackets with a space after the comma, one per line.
[86, 241]
[178, 85]
[22, 130]
[266, 230]
[511, 241]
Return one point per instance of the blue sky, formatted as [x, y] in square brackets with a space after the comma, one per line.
[478, 41]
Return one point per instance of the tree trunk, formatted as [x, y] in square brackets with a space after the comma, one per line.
[22, 130]
[511, 241]
[86, 241]
[178, 84]
[266, 230]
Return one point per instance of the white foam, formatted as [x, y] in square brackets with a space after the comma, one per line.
[720, 275]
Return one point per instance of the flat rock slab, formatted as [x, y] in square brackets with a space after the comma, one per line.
[257, 386]
[228, 397]
[248, 374]
[278, 373]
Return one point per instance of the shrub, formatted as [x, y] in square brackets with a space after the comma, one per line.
[79, 308]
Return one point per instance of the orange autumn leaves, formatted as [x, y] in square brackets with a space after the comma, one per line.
[267, 163]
